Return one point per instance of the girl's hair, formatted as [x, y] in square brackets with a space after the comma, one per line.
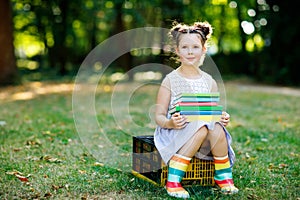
[204, 29]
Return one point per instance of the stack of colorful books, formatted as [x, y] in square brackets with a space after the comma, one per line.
[198, 106]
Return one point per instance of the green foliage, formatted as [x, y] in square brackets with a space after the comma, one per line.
[57, 35]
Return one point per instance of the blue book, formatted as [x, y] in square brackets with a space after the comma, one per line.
[197, 99]
[201, 112]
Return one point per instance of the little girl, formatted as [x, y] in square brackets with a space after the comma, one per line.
[178, 140]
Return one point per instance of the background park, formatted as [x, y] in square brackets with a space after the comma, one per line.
[255, 47]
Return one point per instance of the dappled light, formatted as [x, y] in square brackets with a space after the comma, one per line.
[150, 75]
[32, 90]
[289, 91]
[248, 27]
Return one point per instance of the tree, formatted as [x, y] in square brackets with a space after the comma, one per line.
[256, 38]
[125, 61]
[283, 47]
[8, 69]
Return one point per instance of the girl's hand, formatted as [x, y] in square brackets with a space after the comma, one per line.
[178, 121]
[225, 118]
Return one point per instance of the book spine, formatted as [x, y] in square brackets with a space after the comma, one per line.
[213, 94]
[204, 112]
[196, 99]
[206, 118]
[198, 108]
[197, 104]
[195, 108]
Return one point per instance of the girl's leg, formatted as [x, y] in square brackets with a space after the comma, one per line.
[180, 162]
[176, 170]
[223, 171]
[190, 148]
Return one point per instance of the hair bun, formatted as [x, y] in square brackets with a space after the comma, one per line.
[204, 27]
[175, 30]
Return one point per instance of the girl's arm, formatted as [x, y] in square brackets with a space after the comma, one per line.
[225, 118]
[162, 105]
[214, 86]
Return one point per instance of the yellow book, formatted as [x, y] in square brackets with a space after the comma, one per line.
[206, 118]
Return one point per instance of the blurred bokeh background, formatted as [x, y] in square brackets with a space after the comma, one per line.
[43, 40]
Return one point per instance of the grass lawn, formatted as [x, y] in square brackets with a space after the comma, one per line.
[43, 156]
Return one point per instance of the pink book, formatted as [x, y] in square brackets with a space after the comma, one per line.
[196, 104]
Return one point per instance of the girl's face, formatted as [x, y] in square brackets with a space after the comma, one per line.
[190, 49]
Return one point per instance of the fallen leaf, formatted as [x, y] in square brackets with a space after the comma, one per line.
[56, 187]
[282, 165]
[19, 175]
[48, 194]
[14, 172]
[17, 149]
[33, 143]
[48, 133]
[82, 171]
[54, 160]
[98, 164]
[50, 159]
[21, 178]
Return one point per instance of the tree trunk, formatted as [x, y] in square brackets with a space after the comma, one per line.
[124, 61]
[8, 68]
[242, 34]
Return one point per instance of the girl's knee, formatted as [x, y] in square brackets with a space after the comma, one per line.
[204, 128]
[202, 132]
[218, 126]
[218, 131]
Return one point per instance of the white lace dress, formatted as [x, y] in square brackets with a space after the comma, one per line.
[169, 141]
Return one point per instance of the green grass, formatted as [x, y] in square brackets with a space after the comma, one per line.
[38, 138]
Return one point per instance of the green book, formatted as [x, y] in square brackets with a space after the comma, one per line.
[195, 108]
